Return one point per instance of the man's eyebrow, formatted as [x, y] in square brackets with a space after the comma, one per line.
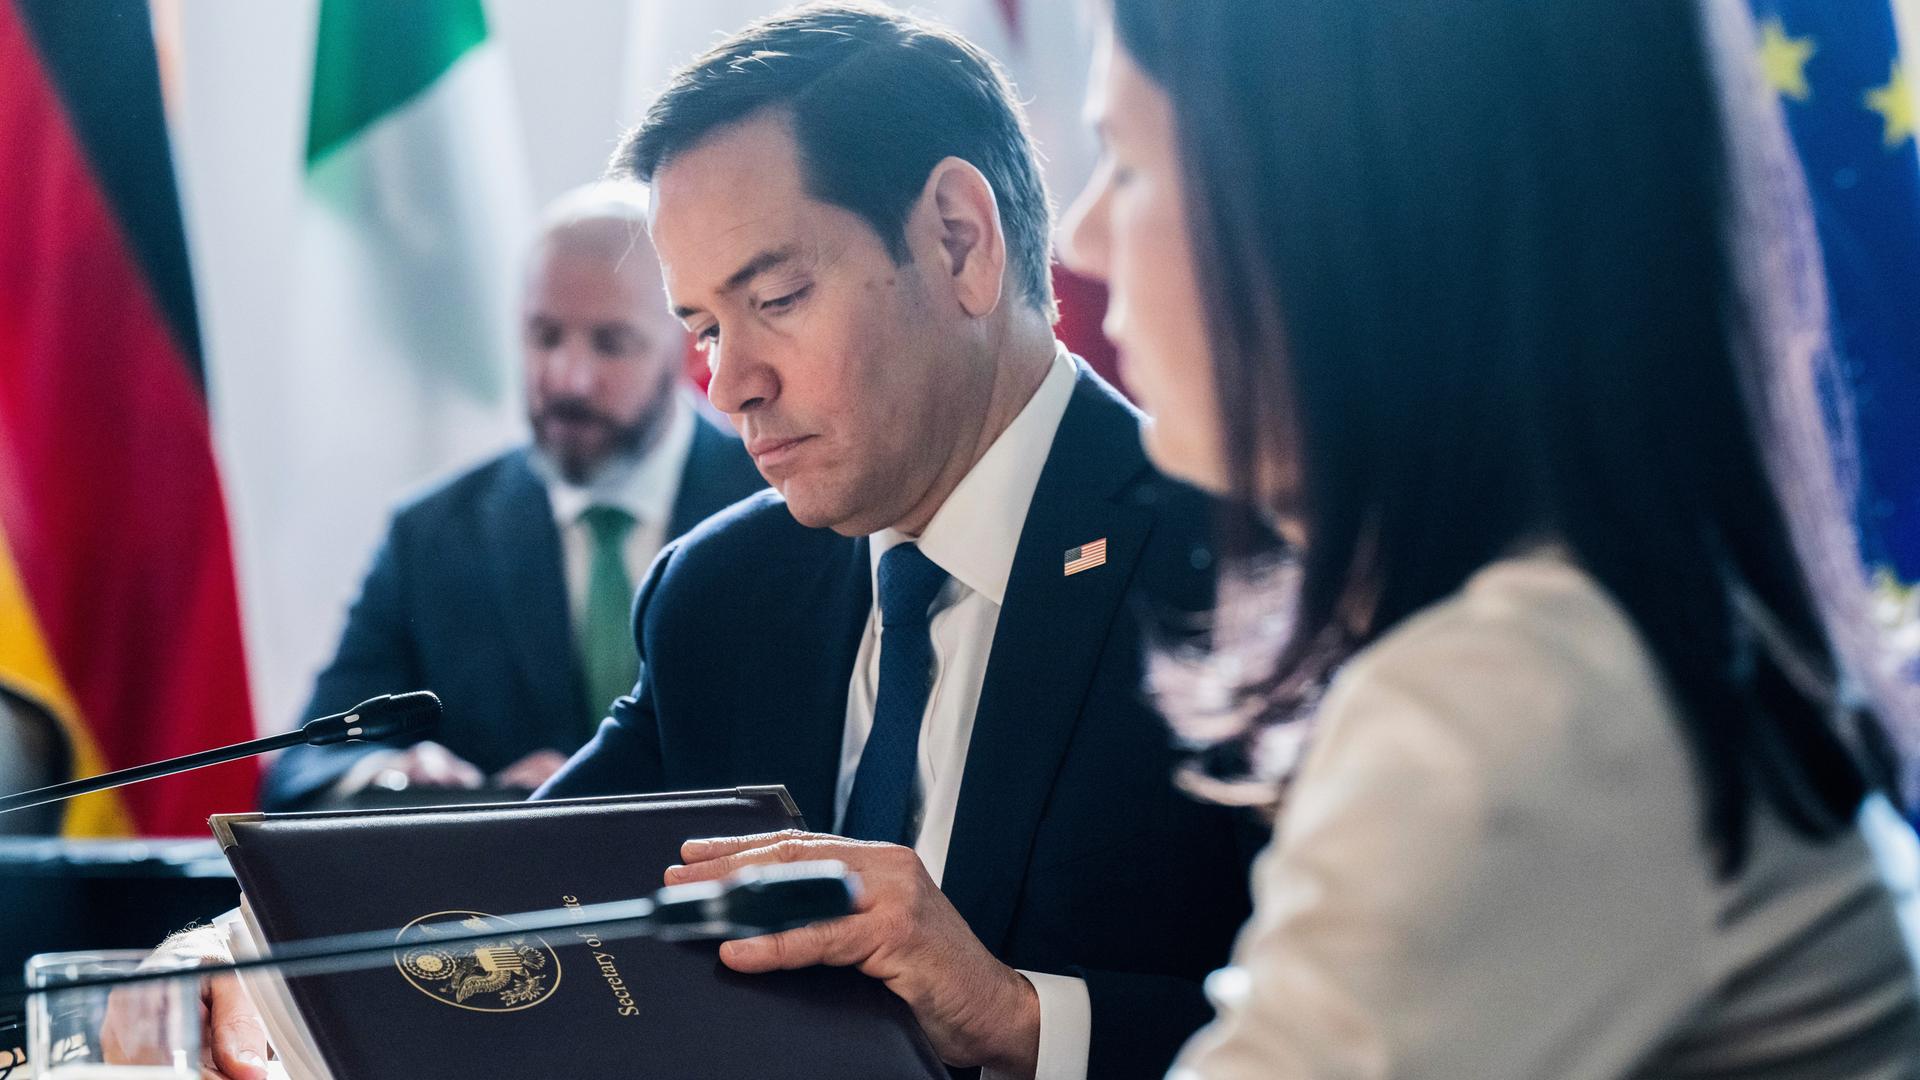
[759, 264]
[752, 268]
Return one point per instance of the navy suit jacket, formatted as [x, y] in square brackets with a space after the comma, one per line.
[1072, 852]
[467, 597]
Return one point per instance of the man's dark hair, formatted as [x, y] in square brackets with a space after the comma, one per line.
[877, 99]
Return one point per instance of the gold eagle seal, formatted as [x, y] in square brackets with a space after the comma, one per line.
[517, 971]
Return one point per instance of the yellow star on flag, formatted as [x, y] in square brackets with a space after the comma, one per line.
[1784, 60]
[1894, 103]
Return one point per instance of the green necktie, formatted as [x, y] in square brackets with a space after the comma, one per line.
[606, 639]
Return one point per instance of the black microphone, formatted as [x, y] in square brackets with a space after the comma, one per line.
[385, 717]
[756, 900]
[752, 901]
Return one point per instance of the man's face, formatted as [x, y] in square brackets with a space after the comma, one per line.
[846, 375]
[601, 354]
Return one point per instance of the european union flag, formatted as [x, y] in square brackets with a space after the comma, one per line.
[1850, 103]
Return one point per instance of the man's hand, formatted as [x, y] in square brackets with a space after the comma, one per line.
[233, 1039]
[531, 771]
[428, 765]
[976, 1010]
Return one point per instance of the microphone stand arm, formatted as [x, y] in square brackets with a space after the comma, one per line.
[703, 910]
[372, 720]
[90, 784]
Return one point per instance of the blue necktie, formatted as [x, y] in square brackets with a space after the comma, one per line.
[881, 803]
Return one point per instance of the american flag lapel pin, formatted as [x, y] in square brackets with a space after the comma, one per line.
[1085, 557]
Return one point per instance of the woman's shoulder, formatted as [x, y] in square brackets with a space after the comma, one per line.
[1533, 645]
[1541, 606]
[1529, 697]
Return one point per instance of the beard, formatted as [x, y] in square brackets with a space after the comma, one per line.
[581, 441]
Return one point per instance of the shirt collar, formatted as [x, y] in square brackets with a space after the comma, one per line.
[644, 486]
[975, 532]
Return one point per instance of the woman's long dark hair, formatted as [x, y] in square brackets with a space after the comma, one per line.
[1478, 263]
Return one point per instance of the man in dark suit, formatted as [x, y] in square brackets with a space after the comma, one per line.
[921, 631]
[1070, 851]
[506, 590]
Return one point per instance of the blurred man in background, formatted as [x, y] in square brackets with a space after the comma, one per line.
[507, 589]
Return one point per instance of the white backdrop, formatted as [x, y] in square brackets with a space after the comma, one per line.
[581, 71]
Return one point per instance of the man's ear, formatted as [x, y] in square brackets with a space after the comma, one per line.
[966, 220]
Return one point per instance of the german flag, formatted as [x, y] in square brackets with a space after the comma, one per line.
[118, 611]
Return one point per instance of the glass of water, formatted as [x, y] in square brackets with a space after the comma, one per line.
[143, 1031]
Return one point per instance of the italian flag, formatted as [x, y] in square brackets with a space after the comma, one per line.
[404, 151]
[399, 362]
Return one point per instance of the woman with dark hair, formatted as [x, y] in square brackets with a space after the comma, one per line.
[1503, 311]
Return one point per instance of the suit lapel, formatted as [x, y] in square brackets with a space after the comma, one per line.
[523, 547]
[1052, 631]
[810, 659]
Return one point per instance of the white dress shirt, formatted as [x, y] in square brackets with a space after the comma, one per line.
[645, 487]
[972, 537]
[1491, 867]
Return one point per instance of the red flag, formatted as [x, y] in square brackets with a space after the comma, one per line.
[118, 608]
[1083, 306]
[1010, 10]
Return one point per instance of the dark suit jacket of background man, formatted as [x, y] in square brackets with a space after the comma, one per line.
[467, 597]
[1072, 852]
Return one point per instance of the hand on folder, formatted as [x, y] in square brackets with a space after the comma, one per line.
[976, 1010]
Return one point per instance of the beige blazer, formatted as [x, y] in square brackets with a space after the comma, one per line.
[1491, 867]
